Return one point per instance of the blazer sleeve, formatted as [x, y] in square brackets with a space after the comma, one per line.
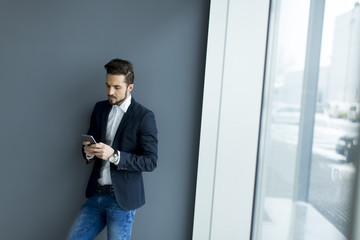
[145, 158]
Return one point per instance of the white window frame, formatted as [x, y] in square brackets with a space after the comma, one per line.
[233, 88]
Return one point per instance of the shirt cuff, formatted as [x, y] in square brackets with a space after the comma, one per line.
[89, 158]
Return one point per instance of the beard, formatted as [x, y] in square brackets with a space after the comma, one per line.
[118, 102]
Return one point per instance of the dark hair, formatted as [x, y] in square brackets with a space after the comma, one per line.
[121, 67]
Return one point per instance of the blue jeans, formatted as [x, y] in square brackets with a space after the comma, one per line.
[99, 211]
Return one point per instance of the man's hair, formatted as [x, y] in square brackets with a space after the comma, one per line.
[121, 67]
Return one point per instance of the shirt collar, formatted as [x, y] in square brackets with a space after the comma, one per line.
[125, 105]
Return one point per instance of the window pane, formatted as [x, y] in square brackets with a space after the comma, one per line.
[310, 121]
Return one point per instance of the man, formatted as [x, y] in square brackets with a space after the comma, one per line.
[126, 137]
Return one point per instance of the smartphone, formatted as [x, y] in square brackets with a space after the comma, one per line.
[88, 138]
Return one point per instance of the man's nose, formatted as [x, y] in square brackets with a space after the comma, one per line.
[111, 91]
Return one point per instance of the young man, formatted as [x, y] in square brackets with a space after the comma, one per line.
[126, 137]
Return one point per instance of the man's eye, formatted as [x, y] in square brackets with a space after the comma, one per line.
[117, 88]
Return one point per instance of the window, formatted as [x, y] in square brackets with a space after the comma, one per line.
[310, 121]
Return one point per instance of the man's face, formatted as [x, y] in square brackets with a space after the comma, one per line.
[117, 89]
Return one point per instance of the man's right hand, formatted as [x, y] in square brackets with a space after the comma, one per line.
[87, 149]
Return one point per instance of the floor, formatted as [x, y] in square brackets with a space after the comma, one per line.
[286, 220]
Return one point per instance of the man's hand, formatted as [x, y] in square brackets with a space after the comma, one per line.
[100, 150]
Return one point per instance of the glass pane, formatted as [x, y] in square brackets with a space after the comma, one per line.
[310, 121]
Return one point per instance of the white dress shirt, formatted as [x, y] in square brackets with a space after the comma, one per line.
[115, 116]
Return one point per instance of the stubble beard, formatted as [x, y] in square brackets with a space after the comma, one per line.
[120, 101]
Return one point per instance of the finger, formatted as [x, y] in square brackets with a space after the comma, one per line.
[89, 153]
[96, 149]
[94, 146]
[88, 147]
[86, 143]
[99, 146]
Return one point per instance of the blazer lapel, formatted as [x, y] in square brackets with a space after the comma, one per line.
[127, 116]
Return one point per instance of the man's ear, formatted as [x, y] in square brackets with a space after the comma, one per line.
[130, 87]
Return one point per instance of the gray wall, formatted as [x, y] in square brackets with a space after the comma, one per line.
[51, 70]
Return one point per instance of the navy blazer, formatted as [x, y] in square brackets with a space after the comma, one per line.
[136, 139]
